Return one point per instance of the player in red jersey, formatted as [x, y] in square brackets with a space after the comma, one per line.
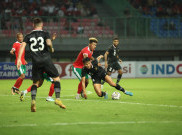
[22, 70]
[78, 64]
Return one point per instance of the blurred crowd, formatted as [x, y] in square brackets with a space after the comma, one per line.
[17, 9]
[158, 8]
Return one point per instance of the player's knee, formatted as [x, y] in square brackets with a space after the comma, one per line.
[22, 76]
[57, 79]
[109, 73]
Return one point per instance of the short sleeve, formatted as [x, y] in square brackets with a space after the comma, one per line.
[84, 51]
[25, 39]
[47, 36]
[109, 50]
[84, 72]
[14, 46]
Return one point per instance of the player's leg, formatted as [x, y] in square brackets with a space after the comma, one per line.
[117, 86]
[57, 89]
[51, 92]
[120, 72]
[21, 73]
[97, 88]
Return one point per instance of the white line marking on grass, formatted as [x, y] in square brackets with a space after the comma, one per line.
[132, 103]
[118, 102]
[92, 123]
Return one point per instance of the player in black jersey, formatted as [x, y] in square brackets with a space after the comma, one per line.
[40, 46]
[97, 74]
[112, 60]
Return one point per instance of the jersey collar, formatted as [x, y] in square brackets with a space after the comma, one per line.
[114, 46]
[37, 30]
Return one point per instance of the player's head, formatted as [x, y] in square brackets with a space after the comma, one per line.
[87, 63]
[19, 37]
[37, 22]
[92, 43]
[115, 41]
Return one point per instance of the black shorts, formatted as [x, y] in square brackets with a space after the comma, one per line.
[39, 68]
[96, 78]
[113, 66]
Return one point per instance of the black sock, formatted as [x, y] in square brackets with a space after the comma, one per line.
[119, 78]
[102, 94]
[33, 91]
[57, 89]
[118, 87]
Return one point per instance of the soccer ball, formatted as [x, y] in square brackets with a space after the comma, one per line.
[116, 95]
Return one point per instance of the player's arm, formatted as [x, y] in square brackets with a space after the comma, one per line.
[22, 48]
[99, 57]
[92, 58]
[12, 51]
[49, 44]
[83, 87]
[54, 35]
[120, 60]
[105, 57]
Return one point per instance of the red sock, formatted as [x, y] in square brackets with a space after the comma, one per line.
[51, 92]
[18, 82]
[79, 87]
[29, 88]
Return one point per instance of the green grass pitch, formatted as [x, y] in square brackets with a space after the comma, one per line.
[155, 109]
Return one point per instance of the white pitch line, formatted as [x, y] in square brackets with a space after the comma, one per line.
[115, 101]
[134, 103]
[91, 123]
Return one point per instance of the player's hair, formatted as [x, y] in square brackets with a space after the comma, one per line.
[115, 38]
[18, 34]
[85, 60]
[37, 21]
[93, 39]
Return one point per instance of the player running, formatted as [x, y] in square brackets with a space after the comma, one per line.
[78, 64]
[45, 77]
[111, 60]
[97, 74]
[22, 70]
[40, 46]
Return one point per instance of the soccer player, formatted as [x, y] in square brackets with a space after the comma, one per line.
[97, 74]
[45, 77]
[112, 60]
[78, 64]
[22, 69]
[40, 46]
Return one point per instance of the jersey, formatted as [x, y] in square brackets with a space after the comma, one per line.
[95, 71]
[113, 53]
[78, 63]
[16, 48]
[38, 46]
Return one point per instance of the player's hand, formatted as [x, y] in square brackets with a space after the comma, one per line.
[54, 35]
[85, 95]
[18, 64]
[26, 62]
[101, 56]
[120, 60]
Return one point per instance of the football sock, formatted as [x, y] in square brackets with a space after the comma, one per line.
[33, 91]
[79, 87]
[119, 78]
[29, 88]
[18, 82]
[102, 94]
[51, 91]
[25, 91]
[118, 87]
[57, 89]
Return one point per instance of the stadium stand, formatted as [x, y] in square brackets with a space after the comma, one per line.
[65, 17]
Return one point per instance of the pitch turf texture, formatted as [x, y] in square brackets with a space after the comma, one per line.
[155, 109]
